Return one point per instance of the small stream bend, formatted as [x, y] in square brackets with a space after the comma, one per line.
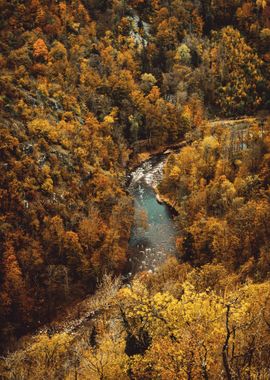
[154, 231]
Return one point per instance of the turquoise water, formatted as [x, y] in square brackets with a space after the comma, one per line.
[154, 231]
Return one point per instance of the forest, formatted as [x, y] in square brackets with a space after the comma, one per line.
[88, 90]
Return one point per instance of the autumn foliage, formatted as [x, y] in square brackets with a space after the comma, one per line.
[85, 86]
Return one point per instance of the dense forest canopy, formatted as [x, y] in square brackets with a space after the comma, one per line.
[85, 86]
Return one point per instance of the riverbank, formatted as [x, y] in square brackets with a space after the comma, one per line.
[138, 158]
[161, 199]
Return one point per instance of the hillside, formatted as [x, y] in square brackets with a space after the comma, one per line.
[88, 90]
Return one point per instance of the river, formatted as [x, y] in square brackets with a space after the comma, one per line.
[154, 231]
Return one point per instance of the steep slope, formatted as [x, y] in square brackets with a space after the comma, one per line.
[81, 83]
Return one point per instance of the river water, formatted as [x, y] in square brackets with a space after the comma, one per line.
[154, 231]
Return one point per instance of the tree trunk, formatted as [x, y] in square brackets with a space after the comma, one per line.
[226, 346]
